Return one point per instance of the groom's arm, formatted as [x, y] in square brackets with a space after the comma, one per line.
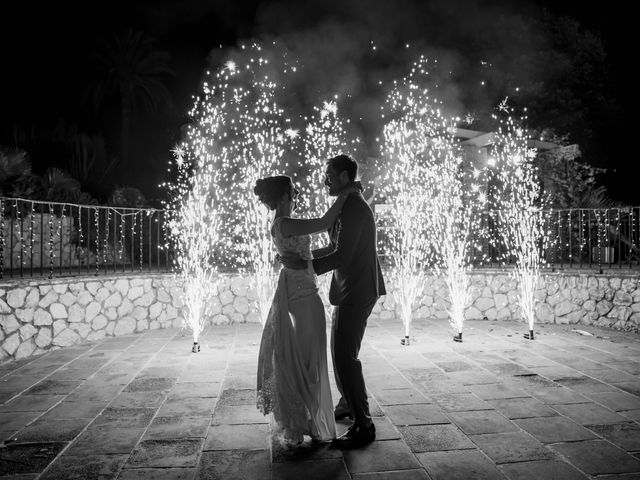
[323, 251]
[345, 248]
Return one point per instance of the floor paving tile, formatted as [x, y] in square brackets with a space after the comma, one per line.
[432, 438]
[484, 421]
[73, 410]
[597, 457]
[49, 430]
[237, 415]
[617, 400]
[542, 469]
[244, 464]
[31, 403]
[554, 429]
[189, 406]
[103, 440]
[125, 417]
[419, 474]
[311, 470]
[179, 426]
[582, 384]
[138, 400]
[624, 435]
[85, 467]
[526, 407]
[380, 456]
[459, 402]
[94, 393]
[168, 453]
[560, 395]
[237, 437]
[495, 391]
[459, 465]
[307, 451]
[385, 430]
[27, 457]
[473, 377]
[511, 447]
[589, 413]
[415, 414]
[157, 474]
[400, 396]
[149, 384]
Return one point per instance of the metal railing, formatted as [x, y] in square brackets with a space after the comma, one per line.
[577, 238]
[49, 239]
[39, 238]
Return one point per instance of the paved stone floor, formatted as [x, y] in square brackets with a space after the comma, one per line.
[563, 406]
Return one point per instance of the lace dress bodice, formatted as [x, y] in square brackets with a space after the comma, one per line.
[295, 244]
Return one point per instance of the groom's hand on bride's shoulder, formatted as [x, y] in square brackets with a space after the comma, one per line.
[293, 261]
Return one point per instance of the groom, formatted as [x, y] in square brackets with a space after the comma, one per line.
[355, 287]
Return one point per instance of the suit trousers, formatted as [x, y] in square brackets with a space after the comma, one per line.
[347, 330]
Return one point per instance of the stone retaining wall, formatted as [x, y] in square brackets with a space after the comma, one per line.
[36, 316]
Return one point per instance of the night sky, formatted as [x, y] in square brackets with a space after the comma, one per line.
[46, 49]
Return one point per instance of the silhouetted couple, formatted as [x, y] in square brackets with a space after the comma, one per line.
[293, 378]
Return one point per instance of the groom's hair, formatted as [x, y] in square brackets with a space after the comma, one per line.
[342, 163]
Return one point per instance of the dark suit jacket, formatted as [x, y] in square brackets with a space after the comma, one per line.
[357, 276]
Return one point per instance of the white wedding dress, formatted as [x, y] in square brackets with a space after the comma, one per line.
[293, 379]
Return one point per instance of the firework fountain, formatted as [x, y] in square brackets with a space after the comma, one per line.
[411, 124]
[454, 222]
[519, 203]
[194, 225]
[240, 132]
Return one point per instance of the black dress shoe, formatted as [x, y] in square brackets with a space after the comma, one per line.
[355, 437]
[340, 413]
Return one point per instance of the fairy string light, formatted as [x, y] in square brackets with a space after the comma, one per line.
[2, 239]
[105, 246]
[51, 244]
[96, 223]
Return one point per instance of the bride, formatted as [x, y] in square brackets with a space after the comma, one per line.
[293, 379]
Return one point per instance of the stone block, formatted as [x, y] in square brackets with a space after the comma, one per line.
[67, 299]
[11, 343]
[125, 308]
[84, 298]
[27, 331]
[125, 326]
[58, 310]
[99, 322]
[93, 287]
[92, 310]
[43, 339]
[9, 323]
[24, 314]
[48, 299]
[32, 298]
[66, 338]
[135, 292]
[122, 286]
[58, 326]
[76, 313]
[15, 297]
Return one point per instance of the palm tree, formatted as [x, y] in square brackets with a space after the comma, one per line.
[134, 70]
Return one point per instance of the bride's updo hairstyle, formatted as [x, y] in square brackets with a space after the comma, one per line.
[270, 189]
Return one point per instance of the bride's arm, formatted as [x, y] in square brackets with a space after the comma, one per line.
[305, 226]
